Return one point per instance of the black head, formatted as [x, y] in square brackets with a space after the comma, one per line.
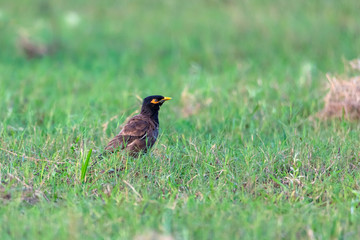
[152, 104]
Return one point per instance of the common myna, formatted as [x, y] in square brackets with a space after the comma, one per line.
[141, 131]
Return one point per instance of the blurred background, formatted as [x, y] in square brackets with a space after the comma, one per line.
[67, 57]
[213, 34]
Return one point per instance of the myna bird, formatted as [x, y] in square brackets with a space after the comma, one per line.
[140, 133]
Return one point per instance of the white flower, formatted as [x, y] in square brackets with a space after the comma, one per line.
[72, 19]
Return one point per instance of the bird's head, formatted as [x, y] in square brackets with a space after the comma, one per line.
[153, 103]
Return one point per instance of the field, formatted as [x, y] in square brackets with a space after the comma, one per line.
[241, 153]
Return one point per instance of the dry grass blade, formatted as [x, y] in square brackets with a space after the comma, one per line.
[105, 125]
[355, 64]
[28, 193]
[132, 188]
[31, 158]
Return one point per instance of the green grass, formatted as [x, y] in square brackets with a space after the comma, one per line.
[247, 161]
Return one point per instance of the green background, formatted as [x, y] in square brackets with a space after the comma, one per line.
[241, 153]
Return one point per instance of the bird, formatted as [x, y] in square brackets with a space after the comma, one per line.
[141, 131]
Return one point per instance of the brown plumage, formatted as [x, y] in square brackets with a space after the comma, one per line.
[140, 133]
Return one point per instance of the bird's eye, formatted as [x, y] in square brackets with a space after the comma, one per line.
[155, 101]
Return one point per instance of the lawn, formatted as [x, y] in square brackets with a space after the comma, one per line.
[241, 152]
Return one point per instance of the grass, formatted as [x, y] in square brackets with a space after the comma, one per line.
[248, 160]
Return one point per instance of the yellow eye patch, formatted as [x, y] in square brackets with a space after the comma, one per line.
[154, 101]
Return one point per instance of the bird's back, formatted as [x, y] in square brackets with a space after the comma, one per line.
[138, 135]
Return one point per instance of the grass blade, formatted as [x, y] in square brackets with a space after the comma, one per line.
[85, 165]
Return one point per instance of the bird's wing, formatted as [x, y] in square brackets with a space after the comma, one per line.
[136, 128]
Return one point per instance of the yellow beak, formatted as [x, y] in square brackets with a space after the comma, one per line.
[166, 98]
